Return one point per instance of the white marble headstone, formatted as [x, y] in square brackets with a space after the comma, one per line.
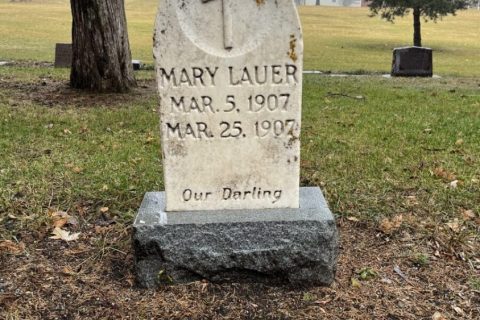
[229, 76]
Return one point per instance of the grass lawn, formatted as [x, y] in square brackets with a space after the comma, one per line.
[396, 158]
[336, 39]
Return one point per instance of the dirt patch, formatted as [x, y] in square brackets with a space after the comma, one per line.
[52, 92]
[93, 278]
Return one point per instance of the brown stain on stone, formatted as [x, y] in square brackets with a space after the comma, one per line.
[260, 2]
[293, 44]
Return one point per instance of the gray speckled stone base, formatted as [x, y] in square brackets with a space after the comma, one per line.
[274, 245]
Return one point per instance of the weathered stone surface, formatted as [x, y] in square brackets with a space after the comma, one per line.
[229, 76]
[274, 245]
[412, 62]
[63, 55]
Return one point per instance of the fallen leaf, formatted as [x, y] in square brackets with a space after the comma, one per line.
[387, 226]
[458, 310]
[356, 283]
[77, 169]
[102, 230]
[104, 209]
[68, 271]
[400, 273]
[412, 200]
[60, 234]
[12, 247]
[438, 316]
[453, 184]
[353, 219]
[468, 215]
[58, 223]
[454, 225]
[459, 142]
[58, 213]
[440, 172]
[367, 274]
[61, 218]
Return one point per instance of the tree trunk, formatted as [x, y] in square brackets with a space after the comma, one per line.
[101, 53]
[417, 36]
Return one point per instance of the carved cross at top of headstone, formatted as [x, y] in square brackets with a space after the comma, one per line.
[227, 24]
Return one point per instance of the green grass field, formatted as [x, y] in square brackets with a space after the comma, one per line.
[336, 39]
[369, 154]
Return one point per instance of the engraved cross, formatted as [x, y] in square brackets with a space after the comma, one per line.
[227, 23]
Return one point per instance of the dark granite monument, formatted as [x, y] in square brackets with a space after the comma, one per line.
[63, 55]
[298, 246]
[412, 62]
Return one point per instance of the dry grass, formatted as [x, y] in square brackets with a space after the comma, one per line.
[93, 279]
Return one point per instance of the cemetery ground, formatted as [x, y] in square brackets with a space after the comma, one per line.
[397, 159]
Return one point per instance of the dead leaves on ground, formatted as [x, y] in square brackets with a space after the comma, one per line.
[444, 174]
[10, 247]
[74, 168]
[438, 316]
[467, 214]
[60, 234]
[388, 226]
[447, 176]
[454, 225]
[459, 224]
[60, 219]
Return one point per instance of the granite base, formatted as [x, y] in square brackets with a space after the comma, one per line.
[297, 246]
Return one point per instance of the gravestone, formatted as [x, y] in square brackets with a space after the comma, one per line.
[412, 62]
[63, 55]
[137, 65]
[230, 113]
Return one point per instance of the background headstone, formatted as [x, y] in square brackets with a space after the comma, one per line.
[63, 55]
[137, 64]
[230, 91]
[412, 62]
